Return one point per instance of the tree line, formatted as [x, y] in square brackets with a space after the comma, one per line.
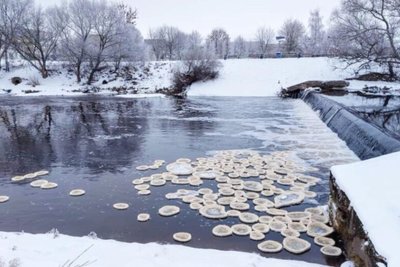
[90, 34]
[81, 32]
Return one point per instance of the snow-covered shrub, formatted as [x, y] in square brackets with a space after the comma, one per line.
[33, 81]
[198, 64]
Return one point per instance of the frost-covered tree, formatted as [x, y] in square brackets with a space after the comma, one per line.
[12, 15]
[193, 40]
[79, 16]
[219, 42]
[366, 32]
[240, 47]
[316, 41]
[264, 38]
[37, 39]
[167, 42]
[129, 46]
[157, 43]
[293, 31]
[106, 34]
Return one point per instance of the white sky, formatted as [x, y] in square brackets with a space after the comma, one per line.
[238, 17]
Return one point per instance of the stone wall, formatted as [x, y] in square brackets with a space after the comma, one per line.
[357, 244]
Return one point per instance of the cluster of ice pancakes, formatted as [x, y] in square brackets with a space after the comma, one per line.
[34, 179]
[253, 188]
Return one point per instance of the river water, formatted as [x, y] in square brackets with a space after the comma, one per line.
[95, 143]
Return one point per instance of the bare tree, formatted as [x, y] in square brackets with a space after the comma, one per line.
[80, 17]
[37, 39]
[293, 31]
[316, 38]
[129, 46]
[194, 40]
[240, 47]
[129, 13]
[12, 15]
[106, 30]
[157, 43]
[219, 41]
[370, 31]
[264, 39]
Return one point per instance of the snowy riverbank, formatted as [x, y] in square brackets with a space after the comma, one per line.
[46, 250]
[265, 77]
[239, 77]
[138, 80]
[376, 202]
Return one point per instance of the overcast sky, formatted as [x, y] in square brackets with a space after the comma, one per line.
[238, 17]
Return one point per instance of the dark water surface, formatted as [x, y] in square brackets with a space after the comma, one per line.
[95, 143]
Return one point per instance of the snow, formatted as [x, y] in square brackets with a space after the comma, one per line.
[49, 250]
[265, 77]
[373, 189]
[239, 77]
[149, 77]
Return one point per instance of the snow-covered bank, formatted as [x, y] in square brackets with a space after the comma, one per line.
[372, 188]
[239, 77]
[141, 78]
[265, 77]
[45, 250]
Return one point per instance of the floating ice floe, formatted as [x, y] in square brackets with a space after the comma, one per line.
[252, 186]
[265, 219]
[260, 227]
[239, 206]
[324, 241]
[296, 245]
[247, 217]
[331, 251]
[144, 192]
[142, 187]
[222, 230]
[18, 178]
[169, 210]
[256, 235]
[38, 183]
[270, 246]
[143, 217]
[288, 199]
[297, 216]
[41, 173]
[277, 226]
[142, 168]
[182, 237]
[297, 226]
[241, 229]
[49, 185]
[290, 233]
[178, 168]
[315, 229]
[121, 206]
[233, 213]
[77, 192]
[213, 212]
[4, 199]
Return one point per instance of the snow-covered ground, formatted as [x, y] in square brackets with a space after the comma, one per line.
[239, 77]
[145, 79]
[373, 189]
[46, 250]
[265, 77]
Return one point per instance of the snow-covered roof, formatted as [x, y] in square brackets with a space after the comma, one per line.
[372, 187]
